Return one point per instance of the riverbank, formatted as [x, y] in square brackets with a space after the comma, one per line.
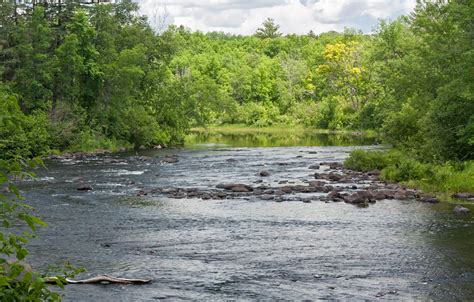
[275, 136]
[92, 145]
[275, 129]
[450, 181]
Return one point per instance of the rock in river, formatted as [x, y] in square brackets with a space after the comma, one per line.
[461, 210]
[359, 197]
[240, 189]
[170, 159]
[264, 173]
[466, 196]
[85, 188]
[335, 177]
[231, 186]
[429, 199]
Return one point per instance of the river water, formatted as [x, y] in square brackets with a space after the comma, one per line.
[245, 248]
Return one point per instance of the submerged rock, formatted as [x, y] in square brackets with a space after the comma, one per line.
[466, 196]
[314, 167]
[139, 158]
[264, 173]
[461, 210]
[170, 159]
[382, 293]
[178, 195]
[316, 183]
[429, 199]
[111, 161]
[230, 186]
[85, 188]
[168, 190]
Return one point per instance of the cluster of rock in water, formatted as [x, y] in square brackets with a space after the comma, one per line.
[331, 182]
[337, 185]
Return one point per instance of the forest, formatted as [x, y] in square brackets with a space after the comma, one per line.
[89, 77]
[83, 78]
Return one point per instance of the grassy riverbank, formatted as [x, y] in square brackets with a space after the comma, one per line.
[236, 135]
[442, 179]
[275, 129]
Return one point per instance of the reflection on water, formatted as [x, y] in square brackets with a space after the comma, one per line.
[283, 139]
[243, 249]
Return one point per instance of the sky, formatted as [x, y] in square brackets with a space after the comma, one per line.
[294, 16]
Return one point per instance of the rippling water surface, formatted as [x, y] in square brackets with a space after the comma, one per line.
[246, 248]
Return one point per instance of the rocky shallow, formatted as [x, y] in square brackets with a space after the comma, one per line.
[215, 224]
[325, 182]
[335, 184]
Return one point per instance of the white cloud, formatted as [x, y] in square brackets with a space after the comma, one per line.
[294, 16]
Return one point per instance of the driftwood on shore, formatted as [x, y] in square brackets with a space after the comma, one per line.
[103, 279]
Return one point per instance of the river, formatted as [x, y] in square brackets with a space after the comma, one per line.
[243, 248]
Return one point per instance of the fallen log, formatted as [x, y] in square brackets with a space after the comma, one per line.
[101, 279]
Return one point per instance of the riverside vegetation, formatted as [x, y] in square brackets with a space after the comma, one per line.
[77, 77]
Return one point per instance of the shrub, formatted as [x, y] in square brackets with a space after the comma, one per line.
[65, 126]
[259, 115]
[89, 141]
[332, 114]
[454, 177]
[142, 129]
[305, 114]
[362, 160]
[20, 135]
[405, 170]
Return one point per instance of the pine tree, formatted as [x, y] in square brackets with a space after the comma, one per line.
[268, 30]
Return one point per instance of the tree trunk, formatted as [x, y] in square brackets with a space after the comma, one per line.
[101, 279]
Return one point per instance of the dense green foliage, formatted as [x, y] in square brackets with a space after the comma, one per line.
[412, 80]
[94, 77]
[82, 78]
[86, 77]
[395, 166]
[99, 77]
